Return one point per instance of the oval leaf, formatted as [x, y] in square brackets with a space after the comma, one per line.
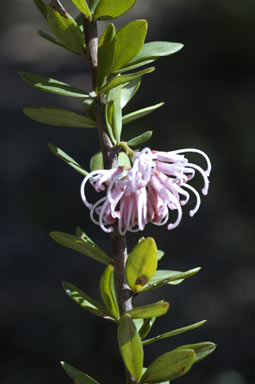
[150, 310]
[105, 54]
[111, 9]
[82, 6]
[108, 291]
[138, 140]
[130, 345]
[124, 160]
[140, 113]
[141, 264]
[129, 90]
[82, 245]
[169, 366]
[59, 117]
[201, 350]
[97, 162]
[67, 159]
[77, 376]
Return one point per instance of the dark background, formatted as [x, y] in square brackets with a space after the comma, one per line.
[209, 92]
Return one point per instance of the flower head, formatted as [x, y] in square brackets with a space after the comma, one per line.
[156, 184]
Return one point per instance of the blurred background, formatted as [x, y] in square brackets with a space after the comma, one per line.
[210, 104]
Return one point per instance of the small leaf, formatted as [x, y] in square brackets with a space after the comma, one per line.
[129, 90]
[42, 7]
[97, 162]
[111, 9]
[69, 160]
[141, 264]
[160, 254]
[105, 54]
[108, 291]
[108, 113]
[93, 5]
[77, 376]
[52, 39]
[134, 66]
[89, 107]
[130, 345]
[85, 301]
[174, 333]
[146, 327]
[47, 84]
[122, 79]
[116, 123]
[83, 245]
[124, 160]
[129, 41]
[162, 277]
[82, 6]
[138, 140]
[150, 310]
[140, 113]
[201, 350]
[59, 117]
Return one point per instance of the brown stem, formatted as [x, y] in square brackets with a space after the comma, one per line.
[110, 154]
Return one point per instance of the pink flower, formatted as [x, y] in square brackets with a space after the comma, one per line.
[156, 184]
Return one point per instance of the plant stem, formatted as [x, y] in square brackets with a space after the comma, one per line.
[110, 154]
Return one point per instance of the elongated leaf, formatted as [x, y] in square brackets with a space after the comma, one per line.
[116, 115]
[129, 90]
[42, 7]
[67, 159]
[85, 301]
[108, 291]
[82, 6]
[169, 366]
[150, 310]
[146, 327]
[160, 254]
[45, 83]
[93, 5]
[168, 277]
[105, 54]
[141, 264]
[122, 79]
[140, 113]
[82, 245]
[111, 9]
[201, 350]
[130, 345]
[134, 66]
[129, 41]
[138, 140]
[174, 333]
[46, 36]
[76, 375]
[59, 117]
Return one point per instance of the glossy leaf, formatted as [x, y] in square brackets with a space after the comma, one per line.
[160, 254]
[132, 67]
[201, 350]
[140, 113]
[45, 83]
[141, 264]
[85, 301]
[130, 345]
[150, 310]
[174, 333]
[59, 117]
[169, 366]
[46, 36]
[138, 140]
[76, 375]
[107, 291]
[82, 6]
[129, 41]
[105, 54]
[42, 7]
[65, 28]
[111, 9]
[124, 160]
[93, 5]
[122, 79]
[162, 277]
[129, 90]
[82, 245]
[67, 159]
[116, 118]
[146, 327]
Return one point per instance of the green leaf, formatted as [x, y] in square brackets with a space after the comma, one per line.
[138, 140]
[93, 4]
[116, 118]
[77, 376]
[69, 160]
[150, 310]
[97, 162]
[129, 90]
[42, 7]
[124, 160]
[65, 29]
[105, 54]
[90, 110]
[162, 277]
[111, 9]
[141, 264]
[47, 84]
[59, 117]
[129, 41]
[85, 301]
[140, 113]
[108, 113]
[82, 6]
[201, 350]
[174, 333]
[107, 291]
[160, 254]
[146, 327]
[130, 345]
[83, 245]
[122, 79]
[51, 39]
[169, 366]
[134, 66]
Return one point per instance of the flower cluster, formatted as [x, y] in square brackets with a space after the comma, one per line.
[156, 183]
